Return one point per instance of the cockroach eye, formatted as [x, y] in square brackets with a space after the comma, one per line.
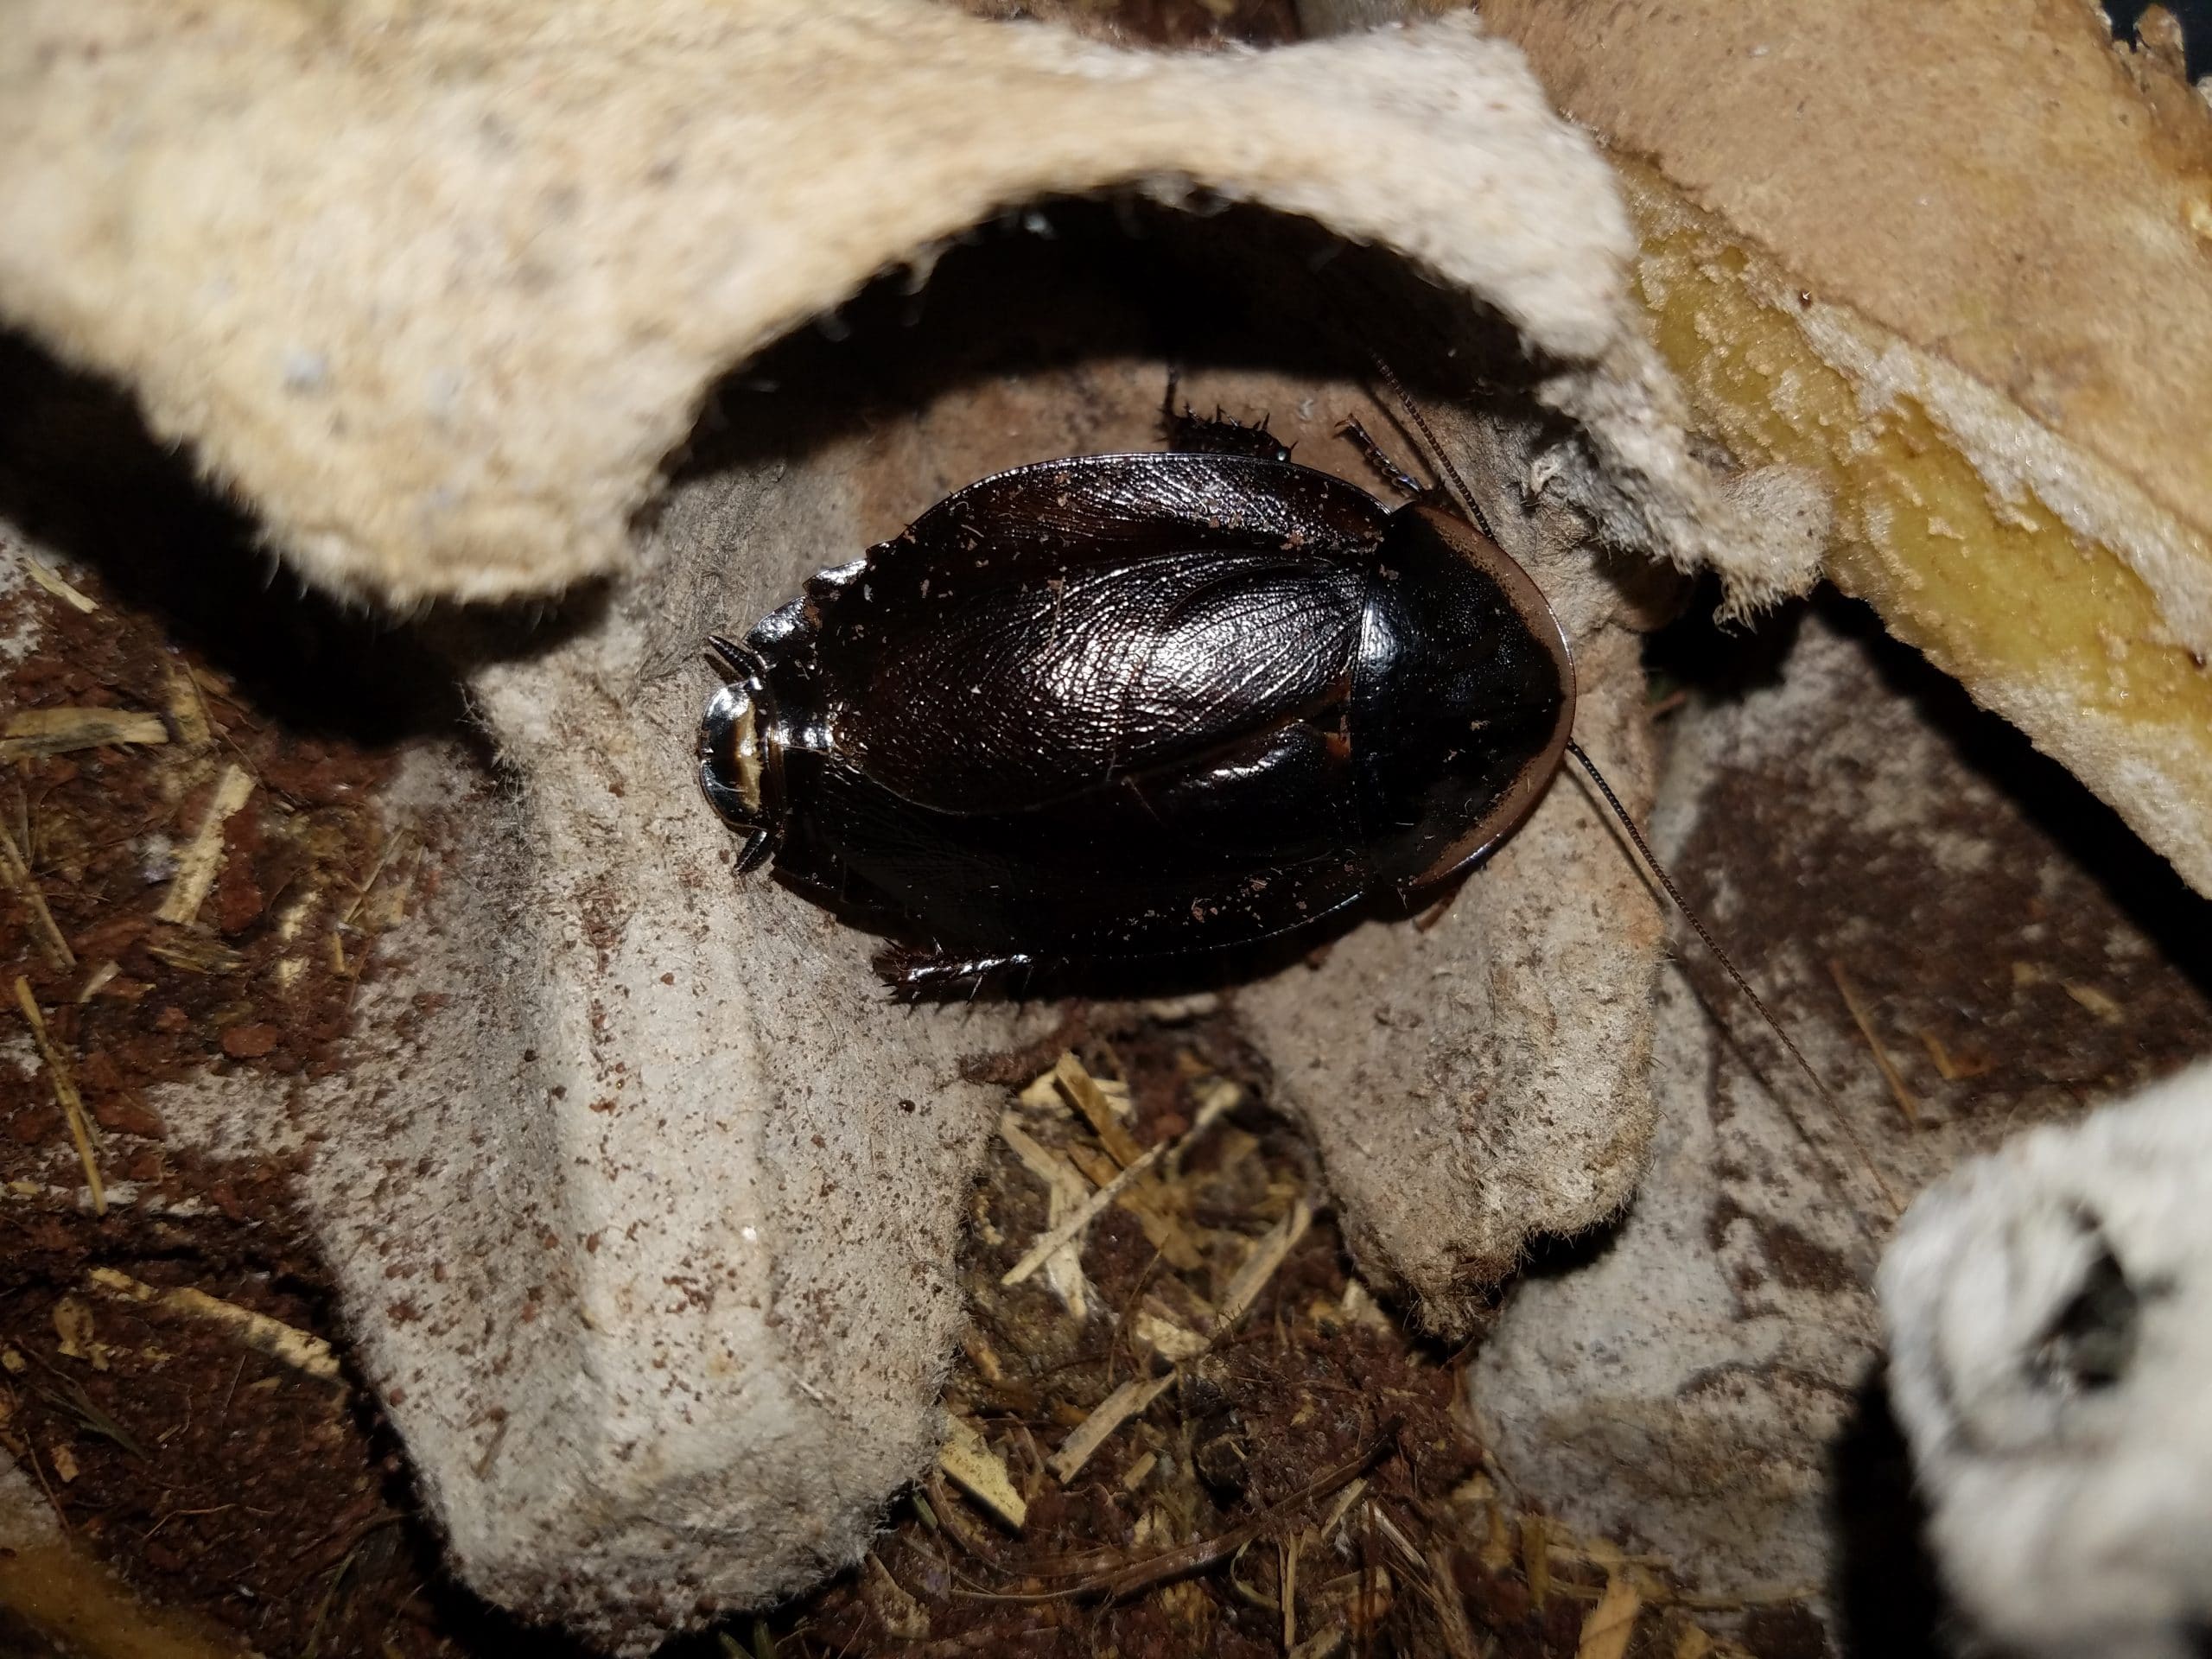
[740, 768]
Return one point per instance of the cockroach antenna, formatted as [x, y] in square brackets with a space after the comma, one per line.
[1675, 894]
[1465, 497]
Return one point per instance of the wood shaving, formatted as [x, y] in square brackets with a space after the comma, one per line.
[1380, 1520]
[2096, 1001]
[60, 589]
[1356, 1601]
[1260, 1266]
[983, 1356]
[1073, 1226]
[1066, 1192]
[1042, 1094]
[971, 1465]
[1442, 1588]
[1606, 1631]
[196, 953]
[202, 860]
[1537, 1558]
[1345, 1499]
[62, 731]
[1152, 1205]
[1218, 1101]
[187, 707]
[1165, 1338]
[902, 1616]
[1117, 1409]
[1083, 1092]
[288, 1345]
[73, 1327]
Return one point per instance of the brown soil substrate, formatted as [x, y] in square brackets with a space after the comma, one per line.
[211, 1474]
[143, 1001]
[1312, 1442]
[214, 1476]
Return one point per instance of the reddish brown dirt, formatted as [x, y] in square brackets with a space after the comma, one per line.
[207, 1474]
[101, 829]
[1251, 1452]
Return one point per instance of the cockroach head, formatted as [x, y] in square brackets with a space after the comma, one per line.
[741, 764]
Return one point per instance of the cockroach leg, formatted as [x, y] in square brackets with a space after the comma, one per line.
[1385, 465]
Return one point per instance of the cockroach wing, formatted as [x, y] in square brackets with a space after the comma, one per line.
[1048, 631]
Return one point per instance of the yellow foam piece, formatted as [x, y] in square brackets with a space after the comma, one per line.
[1953, 266]
[1989, 583]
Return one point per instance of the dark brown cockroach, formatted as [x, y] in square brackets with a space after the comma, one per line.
[1137, 707]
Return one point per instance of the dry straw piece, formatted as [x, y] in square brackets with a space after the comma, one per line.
[64, 1092]
[15, 870]
[971, 1465]
[61, 731]
[201, 862]
[300, 1349]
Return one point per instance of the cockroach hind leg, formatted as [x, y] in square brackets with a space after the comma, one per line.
[925, 973]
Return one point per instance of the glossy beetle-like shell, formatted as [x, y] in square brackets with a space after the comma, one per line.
[1143, 706]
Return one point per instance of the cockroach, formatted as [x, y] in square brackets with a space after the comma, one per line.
[1136, 710]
